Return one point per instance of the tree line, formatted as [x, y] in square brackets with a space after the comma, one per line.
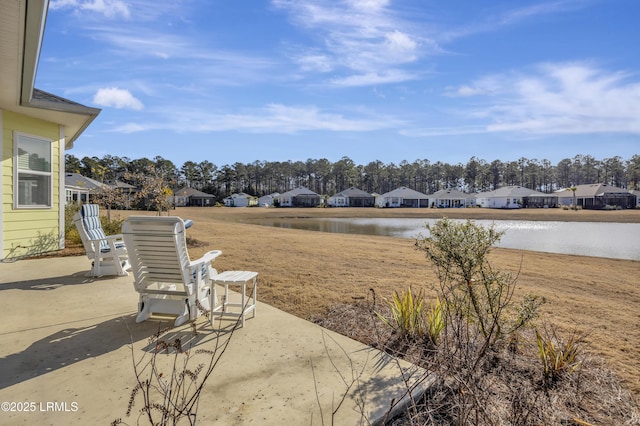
[327, 178]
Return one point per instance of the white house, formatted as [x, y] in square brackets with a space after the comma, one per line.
[446, 198]
[352, 197]
[240, 200]
[514, 197]
[402, 197]
[268, 200]
[636, 194]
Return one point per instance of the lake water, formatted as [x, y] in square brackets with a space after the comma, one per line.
[612, 240]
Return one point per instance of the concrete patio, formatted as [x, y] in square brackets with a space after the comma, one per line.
[67, 357]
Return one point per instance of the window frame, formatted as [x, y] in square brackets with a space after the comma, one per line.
[17, 136]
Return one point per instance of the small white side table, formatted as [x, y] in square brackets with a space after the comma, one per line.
[226, 279]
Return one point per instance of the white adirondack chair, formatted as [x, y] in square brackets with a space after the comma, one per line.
[168, 282]
[108, 253]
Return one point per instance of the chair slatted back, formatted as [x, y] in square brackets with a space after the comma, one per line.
[87, 221]
[90, 214]
[157, 252]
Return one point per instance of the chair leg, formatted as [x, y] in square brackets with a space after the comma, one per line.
[95, 268]
[120, 266]
[144, 311]
[189, 314]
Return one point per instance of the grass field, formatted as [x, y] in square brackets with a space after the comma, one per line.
[305, 272]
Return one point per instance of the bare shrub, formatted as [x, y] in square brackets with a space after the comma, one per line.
[170, 377]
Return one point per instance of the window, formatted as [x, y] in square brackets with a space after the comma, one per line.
[33, 177]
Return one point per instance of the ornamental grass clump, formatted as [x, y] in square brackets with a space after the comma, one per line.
[406, 314]
[435, 321]
[559, 357]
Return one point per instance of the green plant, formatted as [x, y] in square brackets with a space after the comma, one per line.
[558, 357]
[468, 285]
[69, 211]
[111, 227]
[526, 312]
[435, 321]
[406, 314]
[71, 235]
[475, 313]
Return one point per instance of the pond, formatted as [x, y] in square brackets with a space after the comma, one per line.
[600, 239]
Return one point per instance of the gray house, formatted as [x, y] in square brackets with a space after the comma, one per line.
[352, 197]
[78, 188]
[191, 197]
[598, 196]
[299, 197]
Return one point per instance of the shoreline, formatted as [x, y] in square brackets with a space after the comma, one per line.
[555, 214]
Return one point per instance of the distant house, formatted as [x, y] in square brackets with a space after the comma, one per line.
[130, 190]
[597, 196]
[402, 197]
[268, 200]
[186, 196]
[300, 197]
[36, 129]
[636, 194]
[78, 188]
[446, 198]
[515, 197]
[240, 200]
[352, 197]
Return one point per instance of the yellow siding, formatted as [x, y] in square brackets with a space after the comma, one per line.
[28, 231]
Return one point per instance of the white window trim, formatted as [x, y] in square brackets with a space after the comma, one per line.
[16, 205]
[62, 193]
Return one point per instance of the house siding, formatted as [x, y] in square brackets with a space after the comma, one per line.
[29, 231]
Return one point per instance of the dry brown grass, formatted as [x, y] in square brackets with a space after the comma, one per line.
[306, 273]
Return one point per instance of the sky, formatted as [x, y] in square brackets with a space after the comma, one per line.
[275, 80]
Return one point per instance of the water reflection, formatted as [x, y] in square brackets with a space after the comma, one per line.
[612, 240]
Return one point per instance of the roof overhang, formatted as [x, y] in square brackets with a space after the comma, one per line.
[22, 24]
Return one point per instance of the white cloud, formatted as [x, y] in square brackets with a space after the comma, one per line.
[555, 98]
[272, 118]
[363, 37]
[494, 22]
[108, 8]
[117, 98]
[315, 62]
[569, 98]
[369, 5]
[368, 79]
[484, 86]
[443, 131]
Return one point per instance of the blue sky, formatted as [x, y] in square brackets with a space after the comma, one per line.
[243, 80]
